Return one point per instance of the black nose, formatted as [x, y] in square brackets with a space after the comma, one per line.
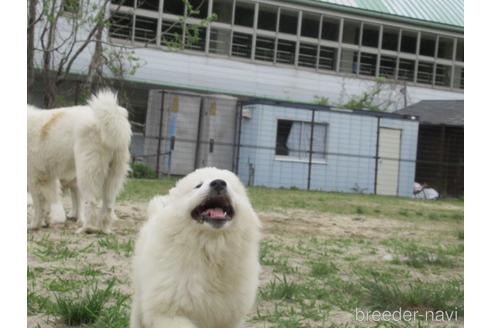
[218, 184]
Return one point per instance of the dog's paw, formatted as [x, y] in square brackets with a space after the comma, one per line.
[57, 213]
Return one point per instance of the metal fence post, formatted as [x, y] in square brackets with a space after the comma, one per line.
[310, 164]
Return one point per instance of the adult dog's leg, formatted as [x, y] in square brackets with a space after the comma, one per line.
[112, 186]
[39, 210]
[74, 213]
[57, 212]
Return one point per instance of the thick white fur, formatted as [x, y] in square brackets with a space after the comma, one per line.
[86, 149]
[188, 274]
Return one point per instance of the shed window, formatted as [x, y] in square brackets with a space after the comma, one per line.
[327, 58]
[348, 61]
[293, 139]
[148, 4]
[265, 48]
[459, 77]
[408, 42]
[330, 29]
[406, 70]
[127, 3]
[145, 29]
[172, 33]
[195, 38]
[244, 14]
[427, 45]
[351, 32]
[445, 50]
[174, 7]
[390, 38]
[223, 10]
[425, 71]
[241, 45]
[370, 36]
[267, 17]
[286, 52]
[460, 50]
[310, 25]
[121, 26]
[307, 55]
[199, 8]
[368, 64]
[443, 75]
[387, 67]
[288, 21]
[220, 41]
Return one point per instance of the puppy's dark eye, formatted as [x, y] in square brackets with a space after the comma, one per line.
[199, 185]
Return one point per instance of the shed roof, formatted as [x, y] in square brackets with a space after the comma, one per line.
[448, 14]
[437, 112]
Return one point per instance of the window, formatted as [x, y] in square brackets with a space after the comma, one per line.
[330, 29]
[121, 26]
[390, 38]
[348, 61]
[408, 42]
[265, 48]
[445, 50]
[427, 45]
[368, 64]
[286, 51]
[425, 72]
[307, 55]
[310, 25]
[174, 7]
[148, 4]
[351, 32]
[327, 58]
[223, 10]
[145, 29]
[171, 33]
[288, 21]
[460, 50]
[244, 14]
[293, 139]
[195, 38]
[387, 67]
[370, 36]
[459, 77]
[267, 17]
[241, 45]
[200, 8]
[71, 6]
[220, 41]
[443, 75]
[127, 3]
[406, 70]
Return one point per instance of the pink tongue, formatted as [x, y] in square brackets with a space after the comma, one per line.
[215, 213]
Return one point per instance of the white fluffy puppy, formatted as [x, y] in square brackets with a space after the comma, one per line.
[84, 147]
[196, 259]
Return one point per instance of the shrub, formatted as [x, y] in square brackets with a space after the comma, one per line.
[142, 171]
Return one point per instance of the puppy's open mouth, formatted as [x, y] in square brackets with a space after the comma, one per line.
[215, 210]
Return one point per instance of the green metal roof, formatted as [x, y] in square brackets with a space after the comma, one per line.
[447, 14]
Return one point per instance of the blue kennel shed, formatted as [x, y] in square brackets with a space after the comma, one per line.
[351, 150]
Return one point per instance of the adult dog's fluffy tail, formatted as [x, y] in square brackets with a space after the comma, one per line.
[112, 119]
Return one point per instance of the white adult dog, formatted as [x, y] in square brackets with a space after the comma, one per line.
[85, 148]
[196, 258]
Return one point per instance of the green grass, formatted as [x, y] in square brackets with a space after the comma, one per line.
[145, 189]
[112, 243]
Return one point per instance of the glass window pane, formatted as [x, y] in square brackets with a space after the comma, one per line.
[459, 77]
[409, 42]
[220, 41]
[330, 29]
[172, 33]
[406, 70]
[368, 64]
[443, 75]
[445, 50]
[223, 10]
[267, 17]
[307, 55]
[351, 32]
[241, 45]
[425, 71]
[370, 36]
[147, 4]
[244, 14]
[460, 50]
[195, 38]
[174, 7]
[387, 67]
[348, 61]
[327, 58]
[200, 8]
[427, 44]
[310, 25]
[121, 26]
[145, 29]
[286, 51]
[265, 48]
[288, 21]
[390, 38]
